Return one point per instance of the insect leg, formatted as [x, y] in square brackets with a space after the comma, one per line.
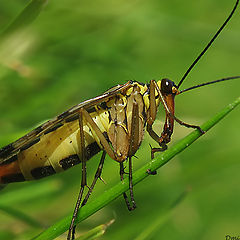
[110, 152]
[99, 134]
[168, 103]
[151, 119]
[89, 121]
[134, 140]
[71, 231]
[171, 115]
[122, 172]
[133, 146]
[131, 185]
[187, 125]
[96, 177]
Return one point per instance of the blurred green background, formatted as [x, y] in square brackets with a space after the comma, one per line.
[75, 50]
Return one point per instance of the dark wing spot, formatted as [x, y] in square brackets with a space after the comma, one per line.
[18, 177]
[53, 128]
[38, 130]
[72, 118]
[63, 115]
[103, 105]
[28, 145]
[41, 172]
[5, 151]
[92, 109]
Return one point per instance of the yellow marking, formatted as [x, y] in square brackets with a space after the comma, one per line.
[143, 89]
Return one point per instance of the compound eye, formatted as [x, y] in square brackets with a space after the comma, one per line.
[166, 86]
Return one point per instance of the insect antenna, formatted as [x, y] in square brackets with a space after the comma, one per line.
[208, 83]
[208, 45]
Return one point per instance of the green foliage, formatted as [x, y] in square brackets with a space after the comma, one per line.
[75, 50]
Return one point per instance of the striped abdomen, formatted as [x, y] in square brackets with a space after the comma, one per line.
[56, 150]
[55, 146]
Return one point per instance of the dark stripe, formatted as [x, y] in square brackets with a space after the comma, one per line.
[109, 116]
[106, 136]
[18, 177]
[28, 145]
[6, 150]
[69, 161]
[91, 110]
[41, 172]
[140, 83]
[53, 128]
[9, 160]
[38, 130]
[103, 105]
[144, 117]
[74, 159]
[92, 149]
[72, 118]
[63, 115]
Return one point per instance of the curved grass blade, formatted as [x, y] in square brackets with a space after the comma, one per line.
[21, 216]
[160, 160]
[95, 232]
[33, 191]
[27, 16]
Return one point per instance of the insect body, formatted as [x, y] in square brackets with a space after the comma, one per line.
[113, 123]
[118, 117]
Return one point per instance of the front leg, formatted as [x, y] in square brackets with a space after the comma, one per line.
[161, 140]
[169, 121]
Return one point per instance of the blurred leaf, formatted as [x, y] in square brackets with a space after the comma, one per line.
[29, 192]
[162, 219]
[21, 216]
[27, 16]
[15, 42]
[6, 235]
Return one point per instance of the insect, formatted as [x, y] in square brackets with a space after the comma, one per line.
[113, 123]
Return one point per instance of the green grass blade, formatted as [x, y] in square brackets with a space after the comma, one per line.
[160, 160]
[28, 15]
[95, 232]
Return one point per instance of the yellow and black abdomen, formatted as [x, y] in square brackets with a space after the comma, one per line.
[56, 150]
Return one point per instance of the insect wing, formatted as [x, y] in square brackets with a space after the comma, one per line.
[70, 115]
